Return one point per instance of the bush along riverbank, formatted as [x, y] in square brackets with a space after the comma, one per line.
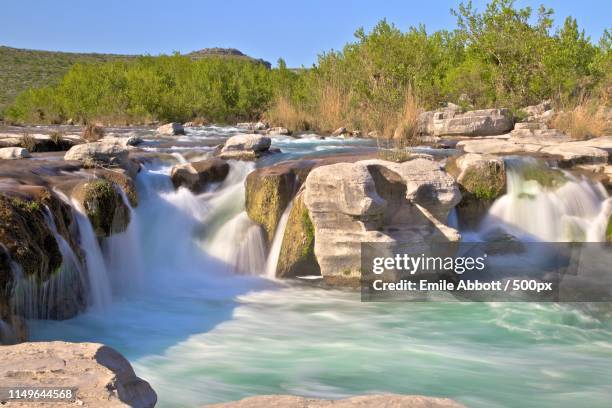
[376, 84]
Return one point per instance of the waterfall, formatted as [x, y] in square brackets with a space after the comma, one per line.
[240, 244]
[576, 210]
[99, 283]
[123, 254]
[59, 294]
[277, 242]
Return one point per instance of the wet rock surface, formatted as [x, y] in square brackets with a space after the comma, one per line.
[197, 176]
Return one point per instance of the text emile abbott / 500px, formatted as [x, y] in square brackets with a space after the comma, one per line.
[458, 265]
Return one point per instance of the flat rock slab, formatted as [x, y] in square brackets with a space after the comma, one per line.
[572, 154]
[369, 401]
[497, 146]
[102, 376]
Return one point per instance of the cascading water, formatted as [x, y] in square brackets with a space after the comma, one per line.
[575, 209]
[277, 242]
[40, 300]
[123, 255]
[99, 283]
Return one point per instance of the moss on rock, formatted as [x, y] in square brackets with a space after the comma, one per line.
[546, 177]
[297, 256]
[25, 235]
[268, 192]
[609, 230]
[104, 207]
[484, 182]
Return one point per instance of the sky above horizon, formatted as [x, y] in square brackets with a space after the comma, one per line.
[295, 31]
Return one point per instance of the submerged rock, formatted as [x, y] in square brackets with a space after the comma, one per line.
[102, 377]
[252, 126]
[369, 401]
[12, 153]
[376, 201]
[451, 122]
[171, 129]
[103, 205]
[196, 176]
[245, 147]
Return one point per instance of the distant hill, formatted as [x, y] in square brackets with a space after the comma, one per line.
[21, 69]
[225, 52]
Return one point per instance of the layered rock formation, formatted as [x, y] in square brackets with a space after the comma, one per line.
[370, 401]
[452, 122]
[100, 376]
[376, 201]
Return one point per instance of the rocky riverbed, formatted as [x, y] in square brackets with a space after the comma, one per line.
[94, 226]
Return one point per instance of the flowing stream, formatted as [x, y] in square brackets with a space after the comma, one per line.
[202, 323]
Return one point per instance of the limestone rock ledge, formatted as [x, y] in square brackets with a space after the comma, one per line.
[370, 401]
[376, 201]
[102, 376]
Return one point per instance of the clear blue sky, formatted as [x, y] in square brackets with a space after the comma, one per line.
[295, 30]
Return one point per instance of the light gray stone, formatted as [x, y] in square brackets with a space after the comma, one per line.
[105, 152]
[376, 201]
[571, 154]
[245, 147]
[102, 376]
[451, 122]
[172, 128]
[12, 153]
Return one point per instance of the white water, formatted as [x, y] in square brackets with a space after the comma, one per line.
[277, 242]
[575, 211]
[100, 293]
[123, 255]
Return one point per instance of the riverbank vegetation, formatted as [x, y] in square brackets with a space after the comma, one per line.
[502, 56]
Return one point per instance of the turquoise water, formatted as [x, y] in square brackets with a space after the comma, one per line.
[200, 333]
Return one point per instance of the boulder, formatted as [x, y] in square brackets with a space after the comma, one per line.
[197, 176]
[101, 201]
[369, 401]
[278, 131]
[297, 257]
[32, 220]
[245, 147]
[171, 129]
[12, 153]
[451, 122]
[541, 112]
[376, 201]
[100, 375]
[122, 179]
[571, 154]
[268, 192]
[105, 152]
[482, 179]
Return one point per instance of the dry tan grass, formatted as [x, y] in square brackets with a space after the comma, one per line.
[283, 113]
[586, 120]
[93, 132]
